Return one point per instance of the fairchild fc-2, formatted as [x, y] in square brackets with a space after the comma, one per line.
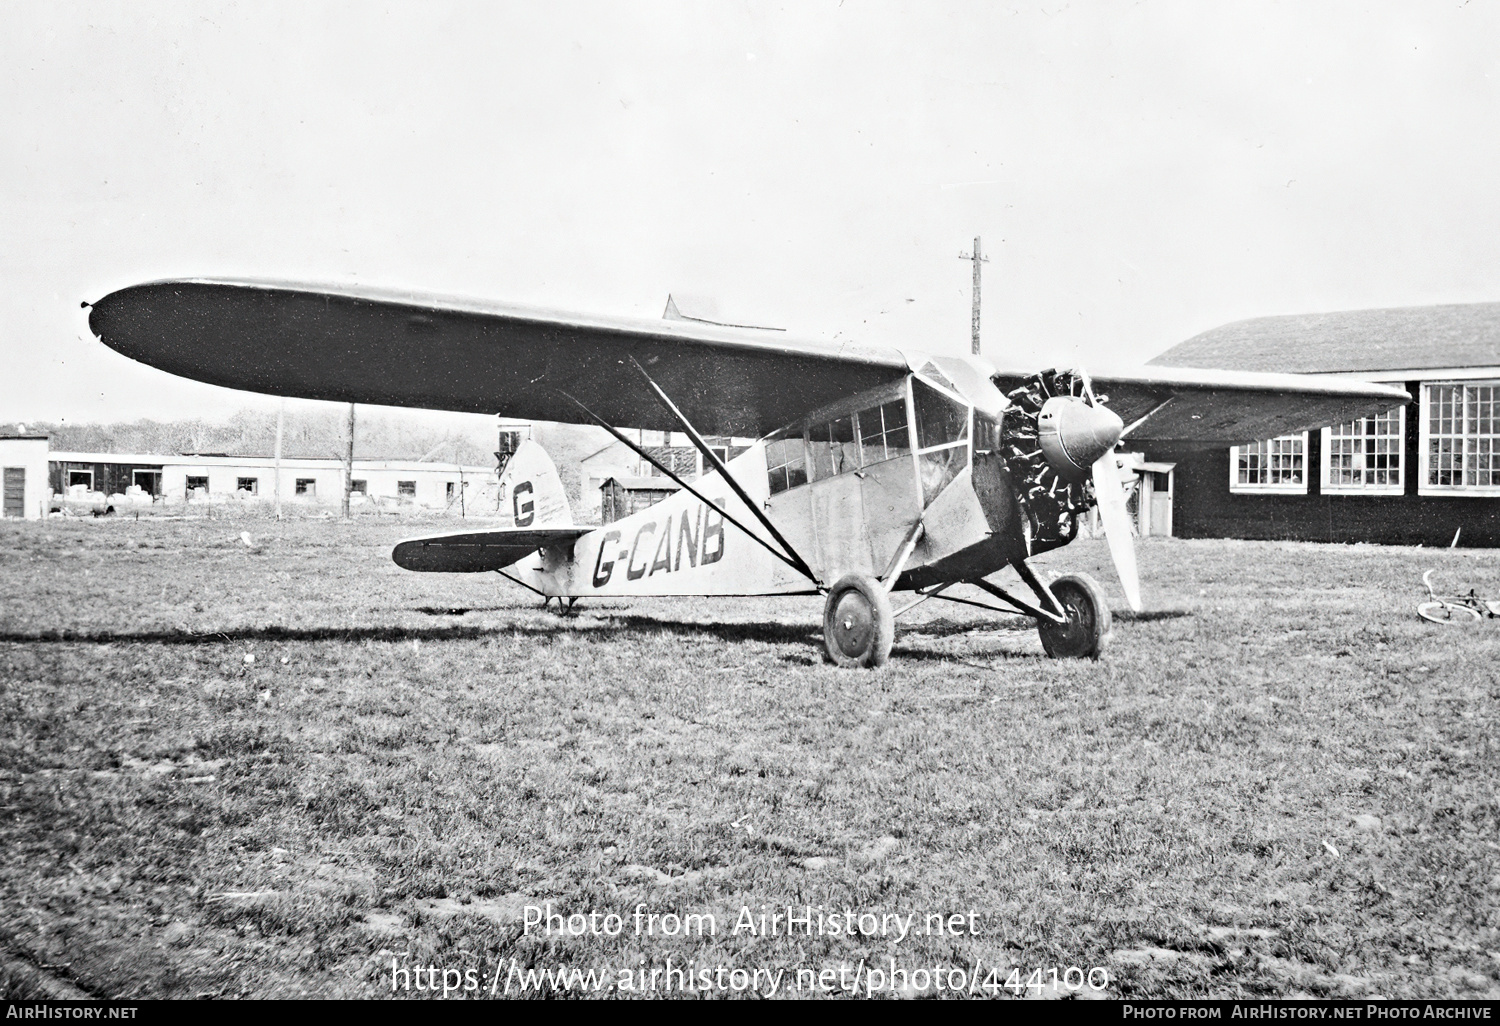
[876, 470]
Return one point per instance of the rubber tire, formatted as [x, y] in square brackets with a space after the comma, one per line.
[858, 625]
[1088, 629]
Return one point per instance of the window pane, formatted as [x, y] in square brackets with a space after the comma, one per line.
[940, 420]
[1274, 462]
[786, 464]
[939, 467]
[871, 437]
[1366, 453]
[897, 435]
[834, 446]
[1462, 435]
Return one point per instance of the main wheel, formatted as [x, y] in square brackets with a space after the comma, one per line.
[1087, 631]
[858, 626]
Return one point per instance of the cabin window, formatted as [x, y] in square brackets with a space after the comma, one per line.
[1365, 456]
[452, 490]
[834, 449]
[883, 432]
[940, 420]
[407, 489]
[195, 483]
[81, 477]
[247, 484]
[307, 486]
[942, 435]
[359, 486]
[786, 463]
[1274, 465]
[1461, 422]
[986, 433]
[930, 369]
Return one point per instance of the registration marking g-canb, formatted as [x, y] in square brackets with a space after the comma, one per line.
[655, 547]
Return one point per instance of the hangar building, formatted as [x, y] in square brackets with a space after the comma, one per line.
[615, 482]
[1424, 474]
[93, 477]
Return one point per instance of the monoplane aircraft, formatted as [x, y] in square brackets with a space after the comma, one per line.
[876, 470]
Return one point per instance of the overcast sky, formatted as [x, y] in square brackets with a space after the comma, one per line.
[1138, 173]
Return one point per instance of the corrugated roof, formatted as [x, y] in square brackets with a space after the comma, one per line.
[1402, 338]
[644, 484]
[262, 462]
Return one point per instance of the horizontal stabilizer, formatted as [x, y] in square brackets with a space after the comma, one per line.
[472, 552]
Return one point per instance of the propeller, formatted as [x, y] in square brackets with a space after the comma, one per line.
[1077, 435]
[1116, 519]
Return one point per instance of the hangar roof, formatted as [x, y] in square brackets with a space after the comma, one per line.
[643, 484]
[1402, 338]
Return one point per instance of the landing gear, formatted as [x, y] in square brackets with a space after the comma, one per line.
[1087, 631]
[858, 626]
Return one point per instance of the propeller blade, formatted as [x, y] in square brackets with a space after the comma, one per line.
[1116, 520]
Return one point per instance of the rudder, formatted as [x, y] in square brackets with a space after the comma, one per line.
[531, 491]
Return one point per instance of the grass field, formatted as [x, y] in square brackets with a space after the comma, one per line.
[275, 771]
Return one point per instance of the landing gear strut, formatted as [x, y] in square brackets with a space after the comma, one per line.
[858, 626]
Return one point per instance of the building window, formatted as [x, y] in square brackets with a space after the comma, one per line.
[81, 477]
[1364, 457]
[406, 489]
[1461, 436]
[786, 463]
[359, 486]
[194, 483]
[247, 484]
[1275, 465]
[307, 486]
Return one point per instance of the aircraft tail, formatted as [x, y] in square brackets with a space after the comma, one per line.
[531, 491]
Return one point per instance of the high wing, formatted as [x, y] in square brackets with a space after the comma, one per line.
[1211, 408]
[401, 349]
[472, 552]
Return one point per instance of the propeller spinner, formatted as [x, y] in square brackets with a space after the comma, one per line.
[1074, 434]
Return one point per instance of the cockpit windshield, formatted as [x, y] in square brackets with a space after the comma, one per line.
[942, 438]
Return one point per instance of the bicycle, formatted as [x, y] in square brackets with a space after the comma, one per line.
[1455, 609]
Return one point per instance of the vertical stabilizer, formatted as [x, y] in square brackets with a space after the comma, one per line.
[531, 492]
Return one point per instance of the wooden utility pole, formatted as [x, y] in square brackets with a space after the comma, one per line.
[349, 464]
[280, 427]
[978, 258]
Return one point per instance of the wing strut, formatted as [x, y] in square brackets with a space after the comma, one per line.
[643, 454]
[796, 560]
